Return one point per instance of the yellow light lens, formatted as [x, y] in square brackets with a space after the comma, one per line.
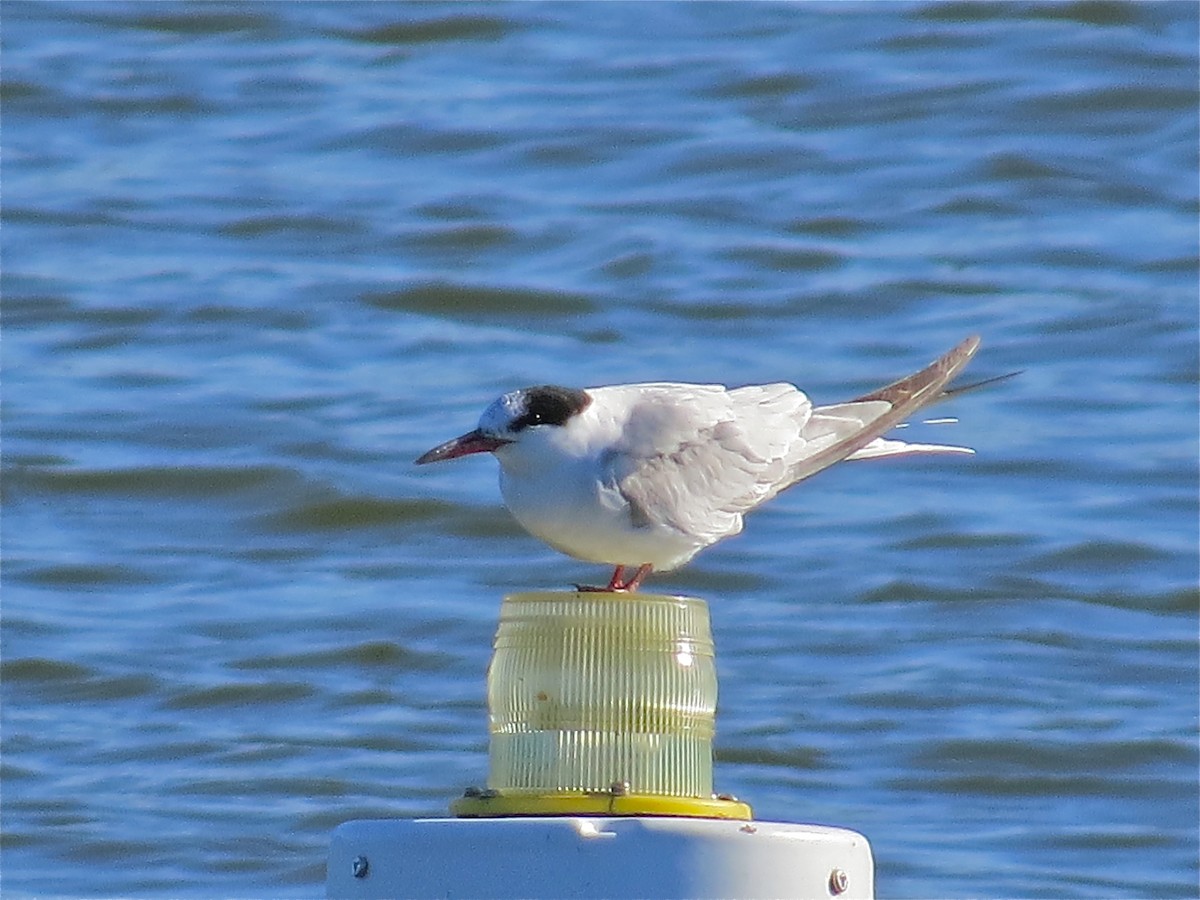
[588, 690]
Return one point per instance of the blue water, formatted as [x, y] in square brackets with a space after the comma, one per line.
[257, 257]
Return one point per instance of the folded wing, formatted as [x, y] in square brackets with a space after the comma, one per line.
[698, 463]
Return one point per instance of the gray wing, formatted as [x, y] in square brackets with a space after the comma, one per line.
[697, 458]
[695, 462]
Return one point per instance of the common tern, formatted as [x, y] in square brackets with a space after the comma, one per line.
[645, 476]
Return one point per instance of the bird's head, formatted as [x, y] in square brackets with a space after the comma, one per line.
[513, 418]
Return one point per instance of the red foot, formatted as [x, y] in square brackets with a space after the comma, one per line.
[618, 582]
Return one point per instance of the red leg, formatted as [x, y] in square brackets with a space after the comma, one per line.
[643, 570]
[618, 583]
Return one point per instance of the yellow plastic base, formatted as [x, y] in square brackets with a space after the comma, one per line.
[494, 805]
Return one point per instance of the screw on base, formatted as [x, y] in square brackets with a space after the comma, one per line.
[838, 882]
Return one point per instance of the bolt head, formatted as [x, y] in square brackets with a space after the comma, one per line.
[360, 867]
[838, 882]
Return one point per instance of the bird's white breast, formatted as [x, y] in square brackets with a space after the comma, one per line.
[558, 484]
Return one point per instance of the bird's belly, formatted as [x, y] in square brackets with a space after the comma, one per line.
[592, 523]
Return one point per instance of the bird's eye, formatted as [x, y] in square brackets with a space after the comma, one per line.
[529, 419]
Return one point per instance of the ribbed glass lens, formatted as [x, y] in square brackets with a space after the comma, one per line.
[590, 689]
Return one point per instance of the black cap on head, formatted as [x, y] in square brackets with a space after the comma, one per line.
[549, 404]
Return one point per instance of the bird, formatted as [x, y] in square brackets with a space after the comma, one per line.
[643, 477]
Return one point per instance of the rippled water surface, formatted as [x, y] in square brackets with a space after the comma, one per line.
[257, 257]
